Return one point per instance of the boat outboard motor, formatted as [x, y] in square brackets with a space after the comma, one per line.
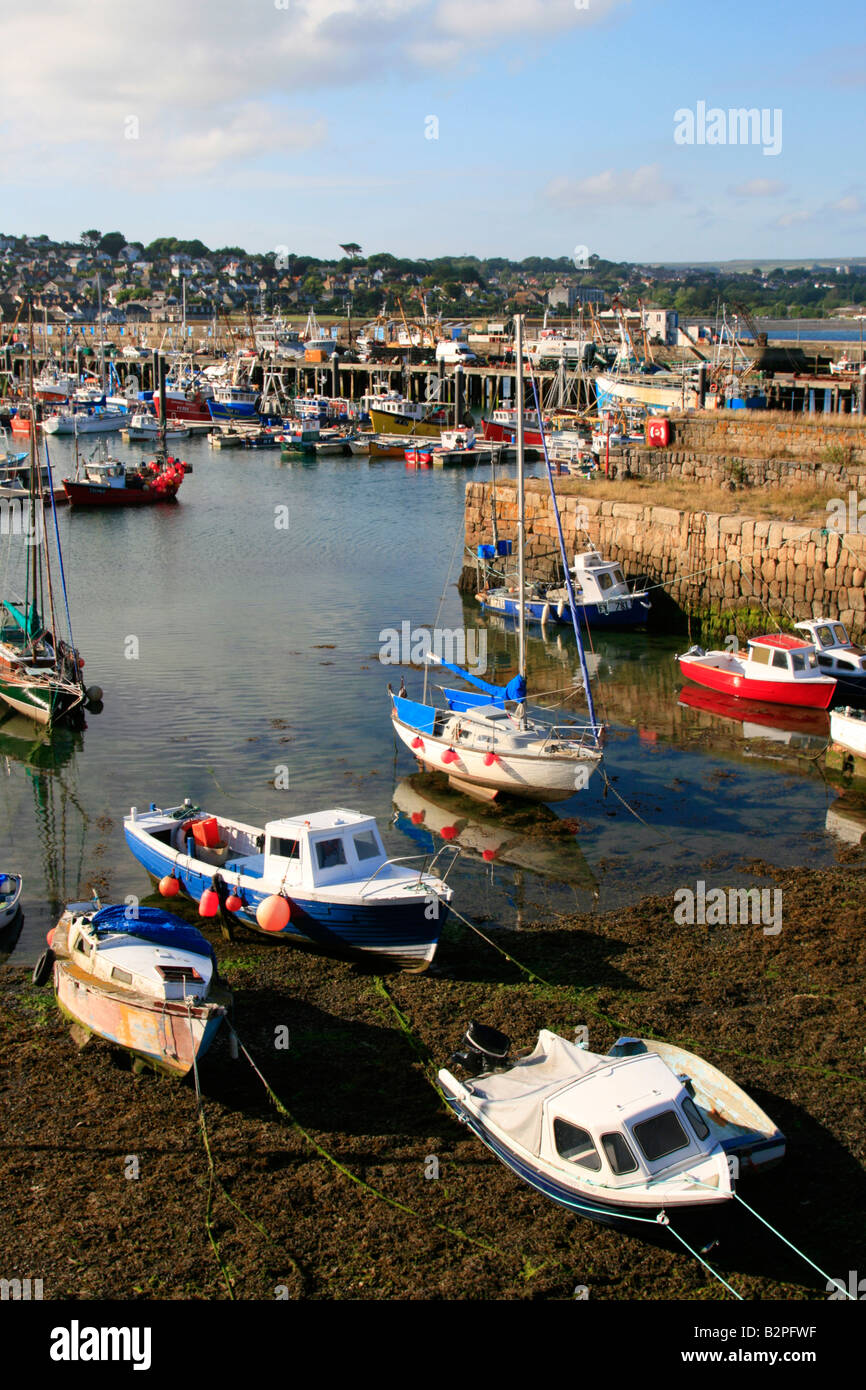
[484, 1049]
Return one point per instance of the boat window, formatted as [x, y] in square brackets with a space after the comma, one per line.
[604, 581]
[825, 636]
[330, 853]
[826, 661]
[618, 1154]
[811, 660]
[365, 845]
[618, 576]
[660, 1136]
[695, 1118]
[798, 661]
[122, 975]
[761, 655]
[286, 849]
[780, 660]
[575, 1145]
[841, 634]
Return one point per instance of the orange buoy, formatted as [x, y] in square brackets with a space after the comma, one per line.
[233, 903]
[449, 756]
[448, 832]
[274, 913]
[488, 854]
[209, 903]
[49, 936]
[169, 886]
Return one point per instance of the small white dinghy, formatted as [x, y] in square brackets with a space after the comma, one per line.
[641, 1131]
[145, 981]
[10, 898]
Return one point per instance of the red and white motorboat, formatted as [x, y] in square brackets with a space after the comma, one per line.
[776, 669]
[500, 427]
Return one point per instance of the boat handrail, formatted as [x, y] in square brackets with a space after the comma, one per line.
[404, 858]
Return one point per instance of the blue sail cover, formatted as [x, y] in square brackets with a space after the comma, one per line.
[496, 694]
[153, 925]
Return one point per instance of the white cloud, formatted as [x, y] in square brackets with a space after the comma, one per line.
[849, 204]
[645, 185]
[795, 218]
[758, 188]
[198, 75]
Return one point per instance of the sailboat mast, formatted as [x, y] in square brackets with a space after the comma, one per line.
[521, 562]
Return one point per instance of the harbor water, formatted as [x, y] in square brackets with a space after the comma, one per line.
[237, 636]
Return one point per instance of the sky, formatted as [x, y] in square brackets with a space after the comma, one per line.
[441, 127]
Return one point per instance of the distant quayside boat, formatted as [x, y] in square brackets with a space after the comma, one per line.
[323, 880]
[604, 599]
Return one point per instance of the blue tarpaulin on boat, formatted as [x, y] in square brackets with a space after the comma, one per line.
[497, 694]
[412, 712]
[153, 925]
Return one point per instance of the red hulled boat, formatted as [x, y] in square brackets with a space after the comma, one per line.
[110, 483]
[776, 669]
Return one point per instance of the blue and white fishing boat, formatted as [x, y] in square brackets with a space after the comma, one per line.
[603, 595]
[486, 743]
[11, 886]
[233, 402]
[641, 1132]
[323, 880]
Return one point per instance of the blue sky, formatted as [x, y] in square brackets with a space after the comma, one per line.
[304, 123]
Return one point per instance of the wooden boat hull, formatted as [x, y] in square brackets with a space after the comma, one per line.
[40, 701]
[385, 422]
[164, 1033]
[805, 694]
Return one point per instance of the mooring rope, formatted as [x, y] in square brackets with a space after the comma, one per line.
[354, 1177]
[620, 1027]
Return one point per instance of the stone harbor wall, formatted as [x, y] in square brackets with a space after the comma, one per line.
[727, 572]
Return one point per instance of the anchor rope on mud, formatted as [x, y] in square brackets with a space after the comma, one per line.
[214, 1180]
[770, 1227]
[355, 1177]
[620, 1027]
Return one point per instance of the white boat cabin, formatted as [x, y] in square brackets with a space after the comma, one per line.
[106, 473]
[598, 579]
[780, 657]
[837, 654]
[611, 1122]
[123, 960]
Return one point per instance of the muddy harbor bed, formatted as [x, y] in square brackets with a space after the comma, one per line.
[781, 1014]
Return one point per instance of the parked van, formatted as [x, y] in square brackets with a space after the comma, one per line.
[450, 351]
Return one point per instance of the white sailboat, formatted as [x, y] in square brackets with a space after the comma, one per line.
[487, 744]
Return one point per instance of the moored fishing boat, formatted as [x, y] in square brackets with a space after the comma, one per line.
[95, 419]
[645, 1131]
[321, 880]
[110, 483]
[137, 977]
[776, 668]
[145, 426]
